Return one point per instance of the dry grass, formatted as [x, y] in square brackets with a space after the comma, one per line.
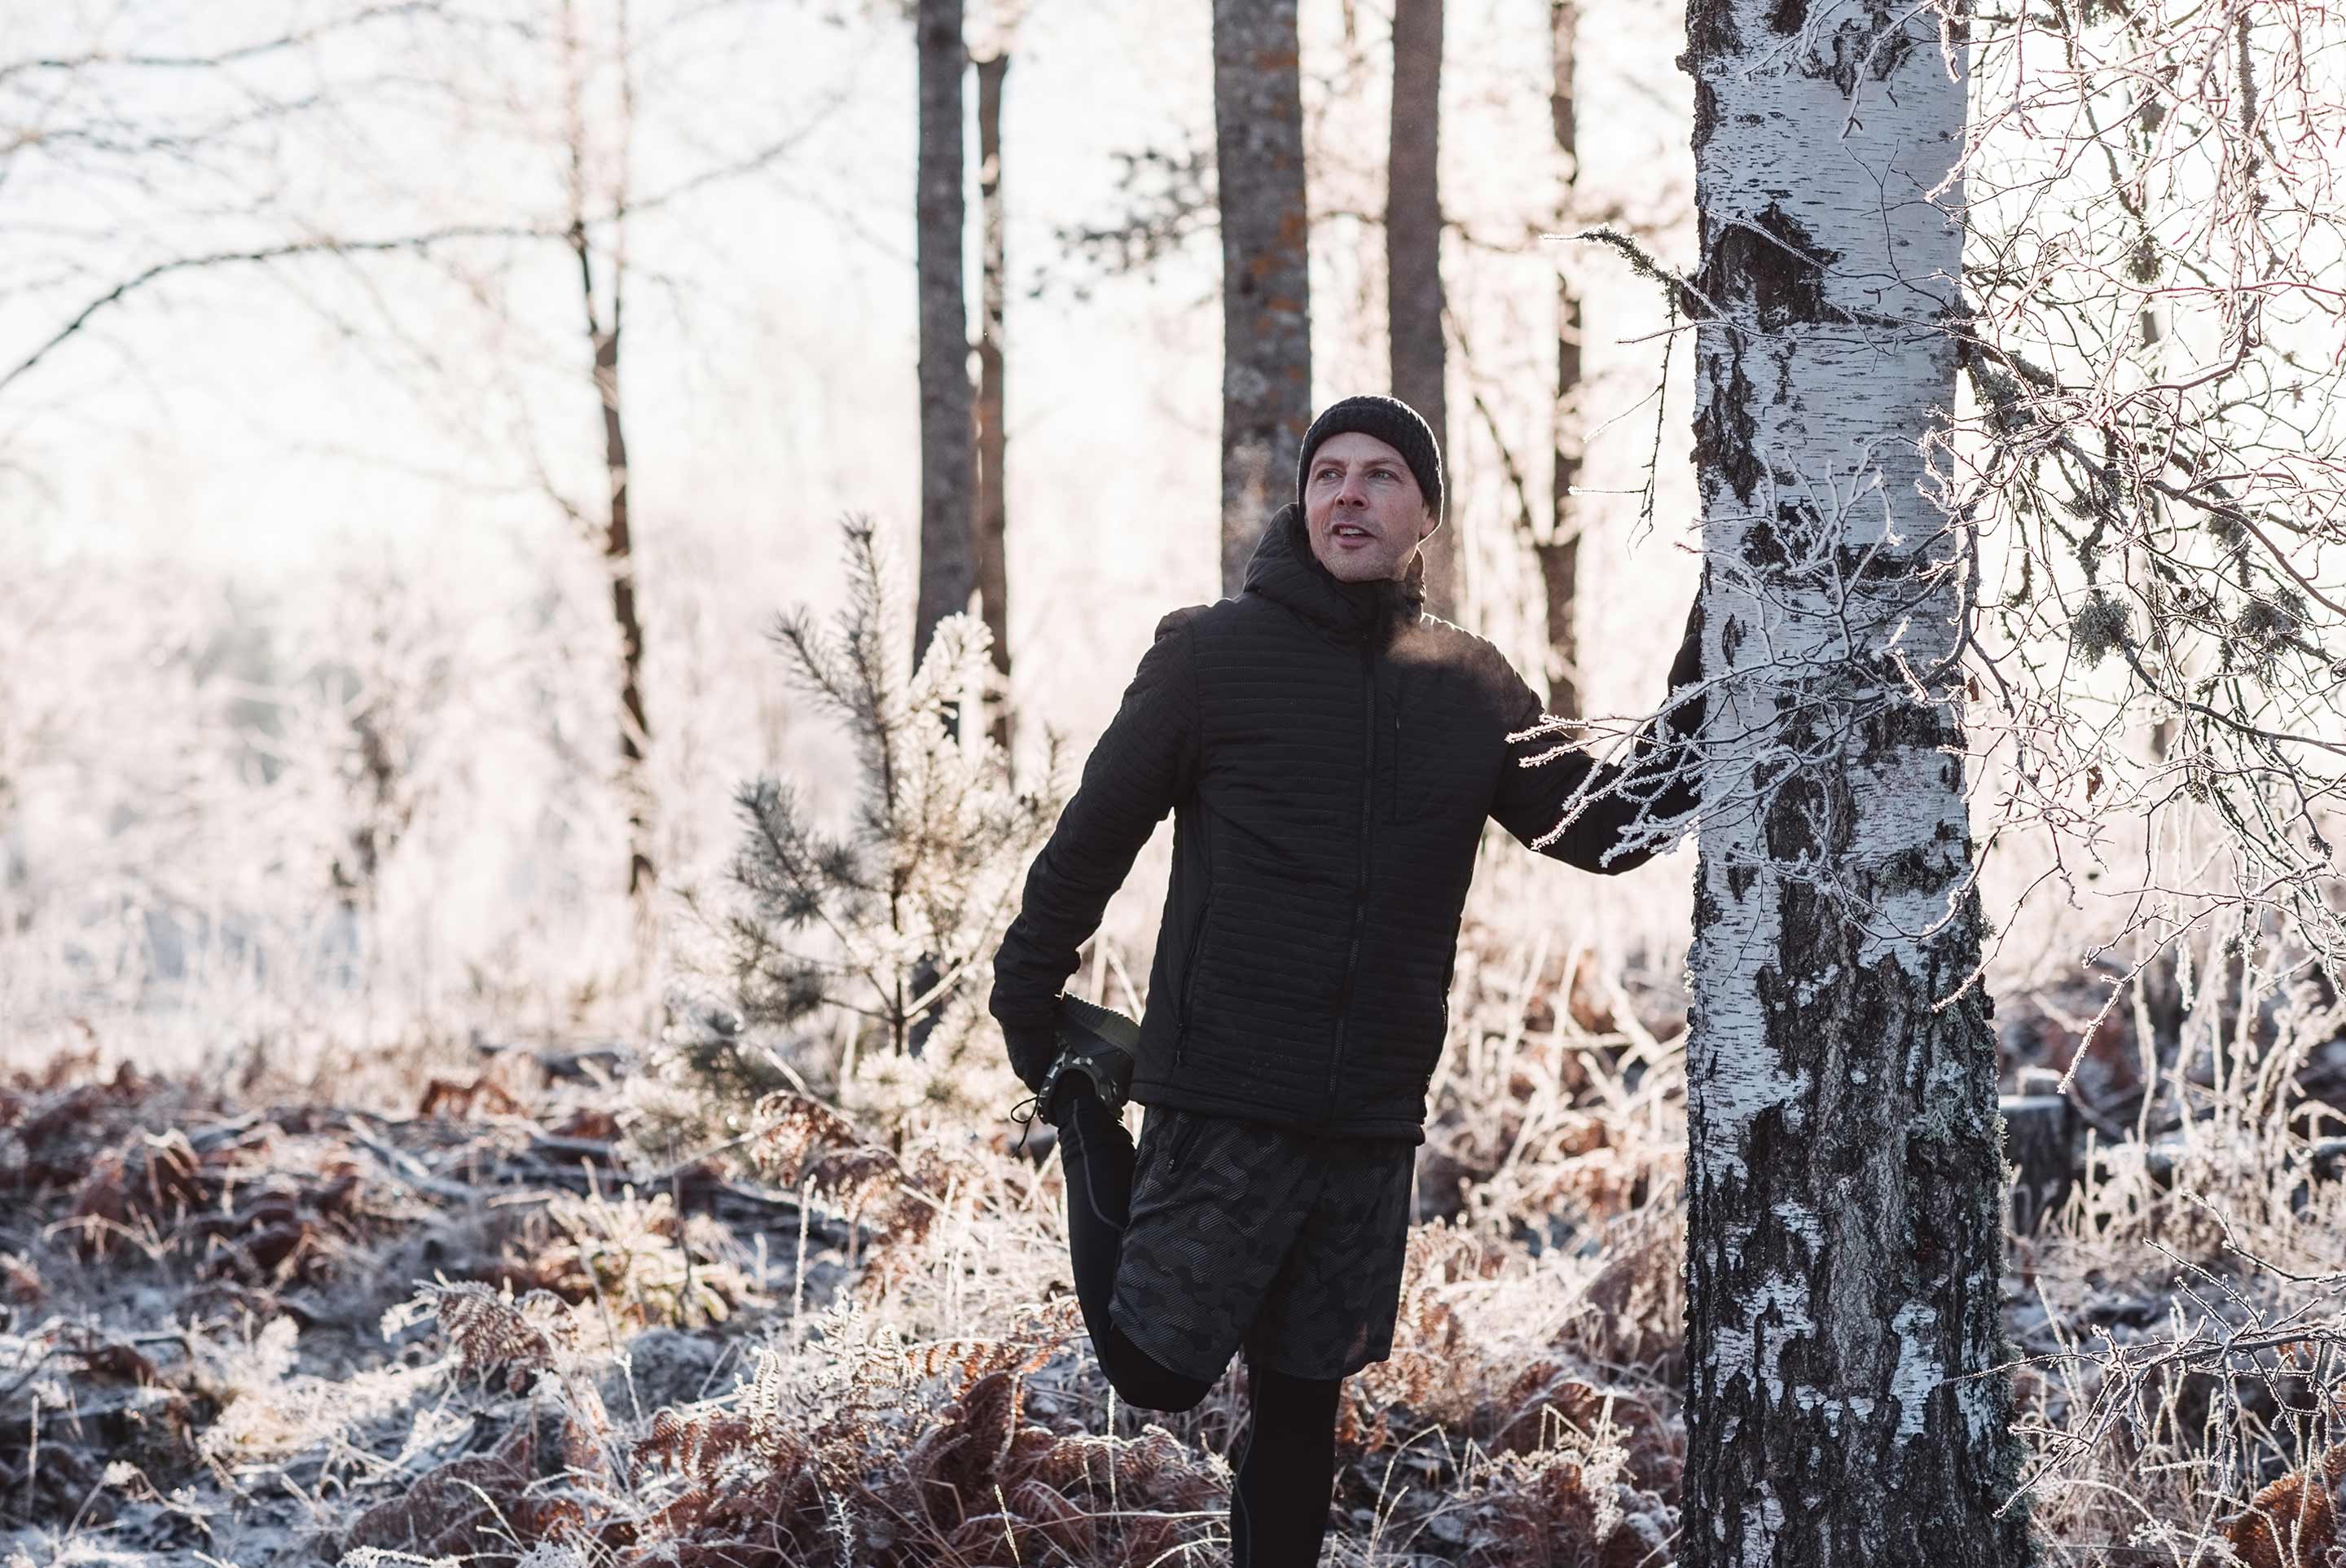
[300, 1332]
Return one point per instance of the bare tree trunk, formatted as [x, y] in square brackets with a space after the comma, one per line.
[1845, 1214]
[948, 455]
[993, 518]
[1266, 273]
[619, 557]
[1414, 257]
[603, 337]
[1558, 554]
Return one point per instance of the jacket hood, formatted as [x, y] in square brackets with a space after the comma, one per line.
[1284, 568]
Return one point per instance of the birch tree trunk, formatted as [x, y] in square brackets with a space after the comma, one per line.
[991, 544]
[1266, 277]
[620, 559]
[1558, 554]
[604, 323]
[1414, 256]
[1845, 1229]
[948, 450]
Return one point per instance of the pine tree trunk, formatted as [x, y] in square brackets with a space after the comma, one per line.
[948, 454]
[1266, 279]
[1558, 554]
[1414, 256]
[1845, 1214]
[992, 516]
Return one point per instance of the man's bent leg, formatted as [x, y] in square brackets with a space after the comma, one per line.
[1287, 1462]
[1097, 1156]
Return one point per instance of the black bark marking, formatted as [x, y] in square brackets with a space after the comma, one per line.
[1779, 272]
[1916, 871]
[1706, 108]
[1906, 726]
[1724, 428]
[1874, 45]
[1795, 808]
[1777, 275]
[1710, 31]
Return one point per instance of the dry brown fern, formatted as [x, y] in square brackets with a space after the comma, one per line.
[459, 1507]
[637, 1258]
[2293, 1523]
[447, 1097]
[1566, 1505]
[489, 1330]
[269, 1206]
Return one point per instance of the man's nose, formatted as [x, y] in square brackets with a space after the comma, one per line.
[1351, 490]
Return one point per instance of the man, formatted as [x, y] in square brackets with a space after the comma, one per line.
[1330, 754]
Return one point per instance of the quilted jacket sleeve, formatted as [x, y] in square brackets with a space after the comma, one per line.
[1660, 777]
[1144, 763]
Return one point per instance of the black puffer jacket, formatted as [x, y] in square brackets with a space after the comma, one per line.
[1330, 754]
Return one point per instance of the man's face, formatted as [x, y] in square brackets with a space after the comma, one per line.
[1362, 509]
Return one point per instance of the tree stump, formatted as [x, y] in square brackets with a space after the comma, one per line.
[2038, 1143]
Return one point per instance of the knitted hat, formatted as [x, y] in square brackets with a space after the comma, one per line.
[1390, 421]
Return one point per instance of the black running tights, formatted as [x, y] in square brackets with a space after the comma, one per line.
[1287, 1456]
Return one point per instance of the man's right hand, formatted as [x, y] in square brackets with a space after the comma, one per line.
[1030, 1051]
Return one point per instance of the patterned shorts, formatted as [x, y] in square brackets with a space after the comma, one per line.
[1243, 1232]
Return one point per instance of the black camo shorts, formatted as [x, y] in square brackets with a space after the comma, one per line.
[1286, 1242]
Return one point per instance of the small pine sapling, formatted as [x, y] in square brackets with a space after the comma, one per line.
[846, 962]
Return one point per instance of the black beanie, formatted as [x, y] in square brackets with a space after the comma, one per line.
[1390, 421]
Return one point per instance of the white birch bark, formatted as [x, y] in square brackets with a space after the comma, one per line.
[1843, 1168]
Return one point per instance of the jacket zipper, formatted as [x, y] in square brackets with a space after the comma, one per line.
[1361, 881]
[1396, 762]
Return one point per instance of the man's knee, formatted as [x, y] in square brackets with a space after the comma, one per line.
[1140, 1379]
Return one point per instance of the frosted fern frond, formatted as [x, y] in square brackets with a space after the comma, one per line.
[769, 1401]
[489, 1330]
[864, 1368]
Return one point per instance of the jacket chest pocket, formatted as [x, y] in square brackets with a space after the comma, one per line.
[1437, 768]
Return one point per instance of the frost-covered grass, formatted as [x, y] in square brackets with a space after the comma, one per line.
[334, 1325]
[263, 1318]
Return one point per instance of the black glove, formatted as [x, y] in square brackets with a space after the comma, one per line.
[1031, 1053]
[1685, 721]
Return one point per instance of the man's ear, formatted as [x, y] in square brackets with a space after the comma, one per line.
[1433, 521]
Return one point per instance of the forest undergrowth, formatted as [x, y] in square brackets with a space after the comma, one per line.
[452, 1305]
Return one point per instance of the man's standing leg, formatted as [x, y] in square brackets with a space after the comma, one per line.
[1286, 1463]
[1329, 1311]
